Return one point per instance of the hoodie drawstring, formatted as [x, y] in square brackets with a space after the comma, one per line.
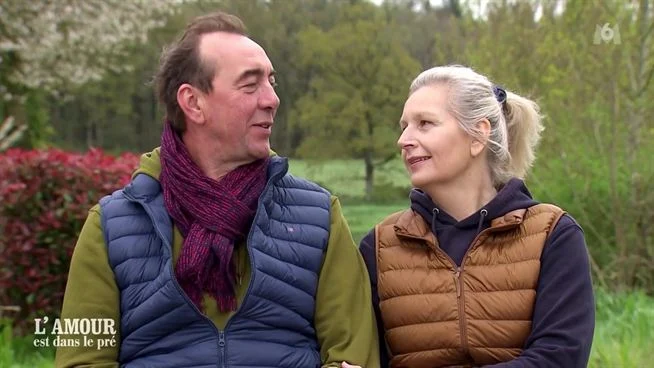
[435, 213]
[483, 214]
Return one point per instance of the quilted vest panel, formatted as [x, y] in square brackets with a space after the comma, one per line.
[274, 325]
[437, 314]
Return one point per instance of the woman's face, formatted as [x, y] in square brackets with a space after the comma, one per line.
[435, 150]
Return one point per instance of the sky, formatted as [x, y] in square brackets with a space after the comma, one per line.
[480, 6]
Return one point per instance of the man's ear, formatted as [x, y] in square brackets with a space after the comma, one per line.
[478, 143]
[191, 101]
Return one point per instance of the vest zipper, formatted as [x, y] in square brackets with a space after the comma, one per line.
[458, 273]
[460, 301]
[248, 241]
[172, 271]
[221, 345]
[458, 276]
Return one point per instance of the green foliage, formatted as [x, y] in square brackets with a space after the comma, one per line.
[354, 101]
[362, 217]
[624, 330]
[388, 192]
[346, 178]
[19, 351]
[344, 69]
[39, 130]
[593, 159]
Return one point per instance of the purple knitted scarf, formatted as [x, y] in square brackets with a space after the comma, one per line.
[211, 215]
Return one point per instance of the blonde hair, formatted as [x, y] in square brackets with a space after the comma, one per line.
[515, 125]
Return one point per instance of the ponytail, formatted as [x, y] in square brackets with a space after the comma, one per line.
[524, 125]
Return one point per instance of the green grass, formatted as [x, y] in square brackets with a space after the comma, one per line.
[345, 178]
[362, 217]
[624, 332]
[19, 352]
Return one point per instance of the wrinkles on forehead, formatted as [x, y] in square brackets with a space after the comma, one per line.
[234, 55]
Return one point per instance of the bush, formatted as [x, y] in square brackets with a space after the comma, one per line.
[44, 200]
[385, 191]
[616, 215]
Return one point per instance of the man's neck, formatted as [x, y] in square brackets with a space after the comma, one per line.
[207, 155]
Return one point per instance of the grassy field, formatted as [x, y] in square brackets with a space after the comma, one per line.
[624, 333]
[345, 178]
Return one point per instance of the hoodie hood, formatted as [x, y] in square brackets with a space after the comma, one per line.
[454, 236]
[514, 195]
[150, 164]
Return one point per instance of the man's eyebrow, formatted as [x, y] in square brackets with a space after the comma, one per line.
[257, 72]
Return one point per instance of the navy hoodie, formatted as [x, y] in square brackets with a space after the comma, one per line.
[564, 311]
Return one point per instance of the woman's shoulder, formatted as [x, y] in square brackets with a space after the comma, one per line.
[394, 217]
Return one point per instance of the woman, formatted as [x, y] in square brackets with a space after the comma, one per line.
[477, 272]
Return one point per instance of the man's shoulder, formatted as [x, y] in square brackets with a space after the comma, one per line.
[120, 204]
[116, 198]
[303, 183]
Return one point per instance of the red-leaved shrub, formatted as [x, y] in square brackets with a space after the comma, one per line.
[45, 196]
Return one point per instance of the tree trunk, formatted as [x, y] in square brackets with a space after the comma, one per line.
[369, 174]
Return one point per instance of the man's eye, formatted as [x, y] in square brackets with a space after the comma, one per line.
[424, 122]
[273, 82]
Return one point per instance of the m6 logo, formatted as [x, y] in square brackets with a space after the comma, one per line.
[606, 34]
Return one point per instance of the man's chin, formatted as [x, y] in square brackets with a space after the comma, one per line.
[262, 152]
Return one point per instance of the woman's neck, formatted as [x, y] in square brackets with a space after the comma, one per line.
[461, 198]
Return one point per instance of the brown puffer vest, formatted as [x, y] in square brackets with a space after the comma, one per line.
[439, 315]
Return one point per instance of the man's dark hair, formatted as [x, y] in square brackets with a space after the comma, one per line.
[181, 63]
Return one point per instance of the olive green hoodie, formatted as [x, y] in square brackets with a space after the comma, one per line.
[344, 319]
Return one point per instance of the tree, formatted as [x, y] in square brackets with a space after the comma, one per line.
[595, 93]
[72, 42]
[361, 75]
[276, 26]
[54, 46]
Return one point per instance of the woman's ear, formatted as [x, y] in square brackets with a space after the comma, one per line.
[190, 100]
[478, 143]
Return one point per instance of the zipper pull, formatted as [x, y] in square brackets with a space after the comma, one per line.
[457, 274]
[221, 339]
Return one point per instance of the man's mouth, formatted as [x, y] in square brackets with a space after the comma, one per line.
[264, 125]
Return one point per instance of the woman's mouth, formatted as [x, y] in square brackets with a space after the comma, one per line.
[416, 159]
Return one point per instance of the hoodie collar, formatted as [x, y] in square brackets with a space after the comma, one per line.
[506, 209]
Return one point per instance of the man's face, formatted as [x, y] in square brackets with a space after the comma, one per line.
[240, 109]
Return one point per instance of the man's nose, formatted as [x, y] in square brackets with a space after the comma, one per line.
[268, 98]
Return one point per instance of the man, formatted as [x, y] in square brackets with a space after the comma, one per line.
[214, 256]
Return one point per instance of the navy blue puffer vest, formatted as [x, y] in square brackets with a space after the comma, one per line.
[274, 326]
